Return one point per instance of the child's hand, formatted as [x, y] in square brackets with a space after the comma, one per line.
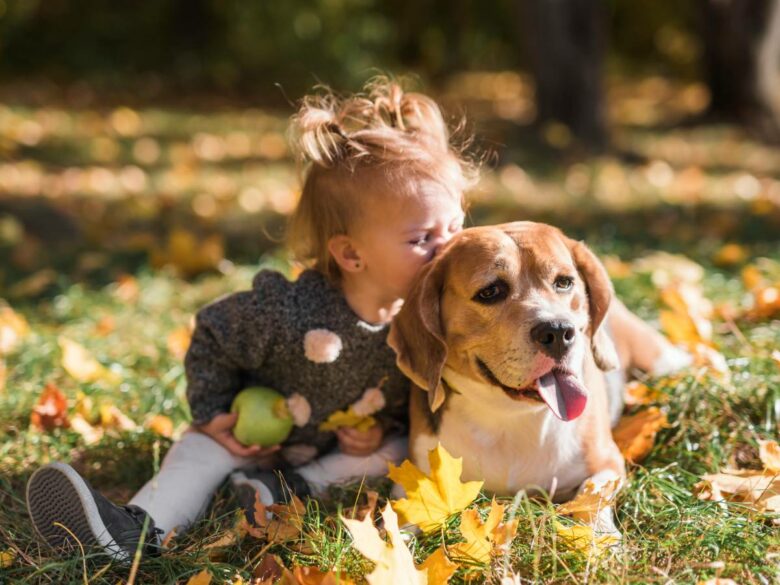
[360, 443]
[220, 428]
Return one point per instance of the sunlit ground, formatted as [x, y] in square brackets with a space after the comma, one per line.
[120, 218]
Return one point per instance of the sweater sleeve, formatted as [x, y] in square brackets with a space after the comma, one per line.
[231, 336]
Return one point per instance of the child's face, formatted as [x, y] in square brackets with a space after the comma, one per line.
[395, 238]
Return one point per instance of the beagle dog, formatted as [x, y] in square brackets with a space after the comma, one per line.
[504, 338]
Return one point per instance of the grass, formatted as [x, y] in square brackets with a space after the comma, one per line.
[98, 232]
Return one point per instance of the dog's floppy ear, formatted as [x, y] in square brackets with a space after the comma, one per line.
[416, 334]
[600, 293]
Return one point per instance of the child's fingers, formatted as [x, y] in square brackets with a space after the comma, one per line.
[236, 448]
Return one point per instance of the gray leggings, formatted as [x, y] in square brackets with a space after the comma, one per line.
[197, 465]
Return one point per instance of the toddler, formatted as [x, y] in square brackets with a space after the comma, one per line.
[382, 191]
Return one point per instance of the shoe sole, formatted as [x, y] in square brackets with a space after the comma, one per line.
[57, 496]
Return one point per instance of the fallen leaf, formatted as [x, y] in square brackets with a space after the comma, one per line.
[202, 578]
[688, 320]
[730, 254]
[766, 303]
[431, 500]
[591, 499]
[269, 570]
[635, 434]
[278, 522]
[347, 418]
[179, 342]
[393, 561]
[583, 539]
[126, 289]
[89, 433]
[638, 393]
[313, 576]
[13, 328]
[86, 408]
[758, 489]
[484, 538]
[769, 452]
[160, 424]
[188, 254]
[105, 326]
[113, 418]
[440, 568]
[7, 558]
[717, 581]
[668, 269]
[751, 277]
[51, 410]
[80, 364]
[359, 512]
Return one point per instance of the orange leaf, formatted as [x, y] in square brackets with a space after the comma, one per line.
[51, 410]
[769, 451]
[638, 393]
[202, 578]
[635, 434]
[277, 522]
[160, 424]
[179, 342]
[13, 328]
[440, 568]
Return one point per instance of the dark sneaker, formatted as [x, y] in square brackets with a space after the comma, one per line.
[273, 487]
[66, 511]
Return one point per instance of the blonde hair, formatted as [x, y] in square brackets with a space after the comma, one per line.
[380, 141]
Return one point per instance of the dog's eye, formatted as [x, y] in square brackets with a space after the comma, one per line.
[492, 293]
[564, 283]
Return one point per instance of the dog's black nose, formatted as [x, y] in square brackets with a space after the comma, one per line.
[553, 337]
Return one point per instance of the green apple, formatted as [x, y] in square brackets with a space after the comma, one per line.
[263, 417]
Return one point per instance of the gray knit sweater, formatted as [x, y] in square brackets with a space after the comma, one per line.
[296, 337]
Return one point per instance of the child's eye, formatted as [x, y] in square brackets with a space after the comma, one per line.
[421, 241]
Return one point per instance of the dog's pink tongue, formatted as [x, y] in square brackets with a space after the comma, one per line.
[564, 394]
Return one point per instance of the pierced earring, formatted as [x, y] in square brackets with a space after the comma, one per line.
[357, 265]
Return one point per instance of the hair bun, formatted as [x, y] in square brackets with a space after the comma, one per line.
[316, 133]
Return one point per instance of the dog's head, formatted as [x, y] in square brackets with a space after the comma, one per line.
[512, 307]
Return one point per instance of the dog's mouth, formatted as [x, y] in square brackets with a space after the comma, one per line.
[559, 389]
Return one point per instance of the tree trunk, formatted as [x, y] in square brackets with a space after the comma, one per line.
[566, 48]
[742, 61]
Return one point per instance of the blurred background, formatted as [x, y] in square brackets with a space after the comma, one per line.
[152, 134]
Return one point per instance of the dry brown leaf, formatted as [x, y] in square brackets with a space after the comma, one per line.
[635, 434]
[484, 538]
[278, 522]
[360, 511]
[269, 570]
[758, 489]
[586, 506]
[51, 410]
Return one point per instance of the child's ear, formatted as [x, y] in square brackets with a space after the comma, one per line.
[342, 249]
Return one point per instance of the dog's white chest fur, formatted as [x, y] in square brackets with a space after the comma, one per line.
[510, 445]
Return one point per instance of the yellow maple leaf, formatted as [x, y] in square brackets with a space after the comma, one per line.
[393, 560]
[347, 418]
[202, 578]
[484, 538]
[431, 500]
[440, 568]
[583, 539]
[80, 364]
[635, 434]
[7, 558]
[757, 489]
